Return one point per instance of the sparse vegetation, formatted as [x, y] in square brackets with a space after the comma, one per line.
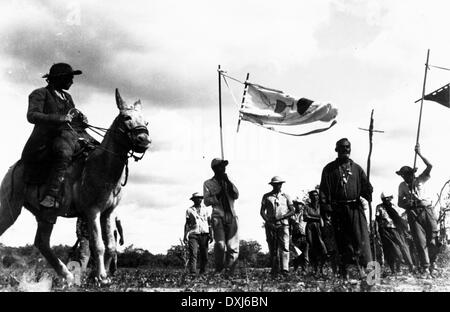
[24, 269]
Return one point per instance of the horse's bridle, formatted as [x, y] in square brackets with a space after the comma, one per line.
[129, 133]
[135, 131]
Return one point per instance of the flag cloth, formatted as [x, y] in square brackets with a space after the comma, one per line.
[265, 106]
[441, 96]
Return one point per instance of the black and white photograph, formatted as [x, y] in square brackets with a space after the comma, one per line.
[237, 148]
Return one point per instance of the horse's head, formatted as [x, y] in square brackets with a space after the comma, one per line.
[132, 123]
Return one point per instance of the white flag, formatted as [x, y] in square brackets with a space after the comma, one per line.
[266, 106]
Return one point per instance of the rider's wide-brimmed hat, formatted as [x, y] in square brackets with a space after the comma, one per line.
[61, 69]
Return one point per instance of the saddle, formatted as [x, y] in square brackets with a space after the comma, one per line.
[37, 171]
[36, 174]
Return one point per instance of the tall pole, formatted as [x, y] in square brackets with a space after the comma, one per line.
[368, 179]
[219, 71]
[421, 106]
[370, 145]
[371, 228]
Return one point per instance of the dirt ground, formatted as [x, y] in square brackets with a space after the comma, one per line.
[254, 280]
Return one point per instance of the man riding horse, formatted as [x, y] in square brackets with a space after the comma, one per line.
[92, 186]
[57, 129]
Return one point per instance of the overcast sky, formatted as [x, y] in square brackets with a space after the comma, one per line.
[358, 55]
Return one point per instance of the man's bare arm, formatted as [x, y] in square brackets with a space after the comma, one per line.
[426, 162]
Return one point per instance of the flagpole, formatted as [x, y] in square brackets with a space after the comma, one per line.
[243, 99]
[219, 71]
[421, 106]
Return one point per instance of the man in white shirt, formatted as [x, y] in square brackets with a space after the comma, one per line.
[276, 209]
[197, 233]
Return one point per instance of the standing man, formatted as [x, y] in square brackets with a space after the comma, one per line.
[422, 222]
[391, 227]
[220, 193]
[343, 183]
[81, 251]
[197, 233]
[276, 209]
[316, 250]
[298, 236]
[118, 232]
[57, 127]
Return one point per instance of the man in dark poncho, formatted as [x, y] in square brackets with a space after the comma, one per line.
[343, 183]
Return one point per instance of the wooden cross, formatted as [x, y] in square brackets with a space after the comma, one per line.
[371, 131]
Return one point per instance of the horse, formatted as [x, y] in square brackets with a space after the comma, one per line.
[92, 189]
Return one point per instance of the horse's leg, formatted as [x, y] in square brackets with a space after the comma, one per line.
[108, 237]
[97, 243]
[42, 242]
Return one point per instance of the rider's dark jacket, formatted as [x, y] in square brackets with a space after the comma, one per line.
[46, 110]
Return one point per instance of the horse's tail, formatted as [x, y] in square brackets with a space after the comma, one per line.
[12, 191]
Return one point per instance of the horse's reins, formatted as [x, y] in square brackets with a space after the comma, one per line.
[129, 154]
[135, 129]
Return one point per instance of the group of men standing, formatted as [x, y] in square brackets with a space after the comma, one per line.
[336, 225]
[336, 203]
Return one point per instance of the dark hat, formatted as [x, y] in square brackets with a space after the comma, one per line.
[405, 170]
[196, 195]
[217, 161]
[61, 69]
[276, 180]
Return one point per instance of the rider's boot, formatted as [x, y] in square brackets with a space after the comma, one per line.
[54, 186]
